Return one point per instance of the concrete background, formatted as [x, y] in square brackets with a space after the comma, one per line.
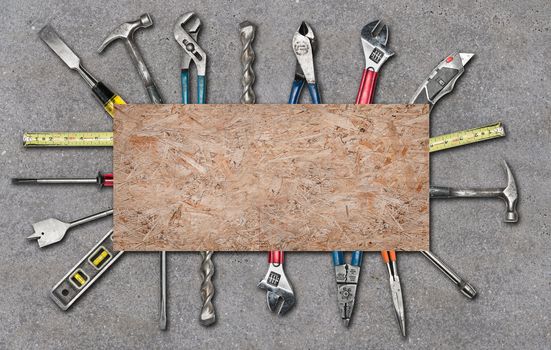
[508, 80]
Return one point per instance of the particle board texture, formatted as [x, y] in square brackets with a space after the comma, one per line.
[271, 177]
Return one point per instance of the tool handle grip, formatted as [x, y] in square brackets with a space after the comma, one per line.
[184, 78]
[367, 87]
[338, 257]
[388, 255]
[448, 192]
[91, 218]
[296, 89]
[105, 180]
[107, 98]
[201, 89]
[314, 93]
[357, 257]
[275, 257]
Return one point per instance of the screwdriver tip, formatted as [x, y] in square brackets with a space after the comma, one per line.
[346, 322]
[16, 181]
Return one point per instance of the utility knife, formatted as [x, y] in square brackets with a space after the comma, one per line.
[442, 79]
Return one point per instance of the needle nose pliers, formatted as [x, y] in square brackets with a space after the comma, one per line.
[389, 257]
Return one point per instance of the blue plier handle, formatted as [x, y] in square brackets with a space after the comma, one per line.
[201, 88]
[296, 89]
[338, 258]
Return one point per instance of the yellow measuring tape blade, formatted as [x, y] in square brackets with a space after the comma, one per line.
[68, 139]
[105, 139]
[465, 137]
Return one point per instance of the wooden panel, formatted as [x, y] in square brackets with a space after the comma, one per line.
[267, 177]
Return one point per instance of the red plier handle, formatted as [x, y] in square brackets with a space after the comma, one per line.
[367, 87]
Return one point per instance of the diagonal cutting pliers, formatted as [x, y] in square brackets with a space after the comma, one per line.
[347, 282]
[304, 45]
[185, 32]
[389, 257]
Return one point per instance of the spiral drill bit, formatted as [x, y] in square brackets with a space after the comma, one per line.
[246, 33]
[208, 316]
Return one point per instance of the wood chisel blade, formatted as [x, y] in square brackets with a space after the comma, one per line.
[54, 42]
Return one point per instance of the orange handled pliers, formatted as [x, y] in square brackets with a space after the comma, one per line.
[389, 256]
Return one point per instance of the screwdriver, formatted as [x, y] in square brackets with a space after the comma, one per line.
[107, 97]
[102, 180]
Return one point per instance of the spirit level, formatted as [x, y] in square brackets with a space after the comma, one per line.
[85, 272]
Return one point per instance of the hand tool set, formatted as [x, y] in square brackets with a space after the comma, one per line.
[279, 292]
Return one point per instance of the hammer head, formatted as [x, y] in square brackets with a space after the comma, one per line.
[510, 195]
[126, 30]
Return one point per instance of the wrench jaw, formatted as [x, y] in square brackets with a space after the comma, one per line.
[374, 45]
[186, 30]
[279, 293]
[48, 232]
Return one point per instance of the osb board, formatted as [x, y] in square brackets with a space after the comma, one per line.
[267, 177]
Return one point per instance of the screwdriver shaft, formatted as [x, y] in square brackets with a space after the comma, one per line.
[55, 181]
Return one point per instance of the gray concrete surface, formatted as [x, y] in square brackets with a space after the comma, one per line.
[509, 80]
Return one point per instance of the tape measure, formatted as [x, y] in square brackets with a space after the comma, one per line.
[68, 139]
[466, 137]
[105, 139]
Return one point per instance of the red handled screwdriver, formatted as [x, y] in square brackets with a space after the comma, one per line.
[102, 180]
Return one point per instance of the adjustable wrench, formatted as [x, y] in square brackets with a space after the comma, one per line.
[376, 53]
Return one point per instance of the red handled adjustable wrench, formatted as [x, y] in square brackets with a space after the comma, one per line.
[279, 293]
[376, 53]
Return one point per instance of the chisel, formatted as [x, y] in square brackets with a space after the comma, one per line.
[107, 97]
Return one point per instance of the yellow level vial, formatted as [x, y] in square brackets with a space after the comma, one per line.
[105, 139]
[68, 139]
[465, 137]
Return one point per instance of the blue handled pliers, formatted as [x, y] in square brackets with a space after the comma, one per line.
[347, 282]
[185, 32]
[303, 46]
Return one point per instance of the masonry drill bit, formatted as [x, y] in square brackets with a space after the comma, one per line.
[246, 32]
[208, 315]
